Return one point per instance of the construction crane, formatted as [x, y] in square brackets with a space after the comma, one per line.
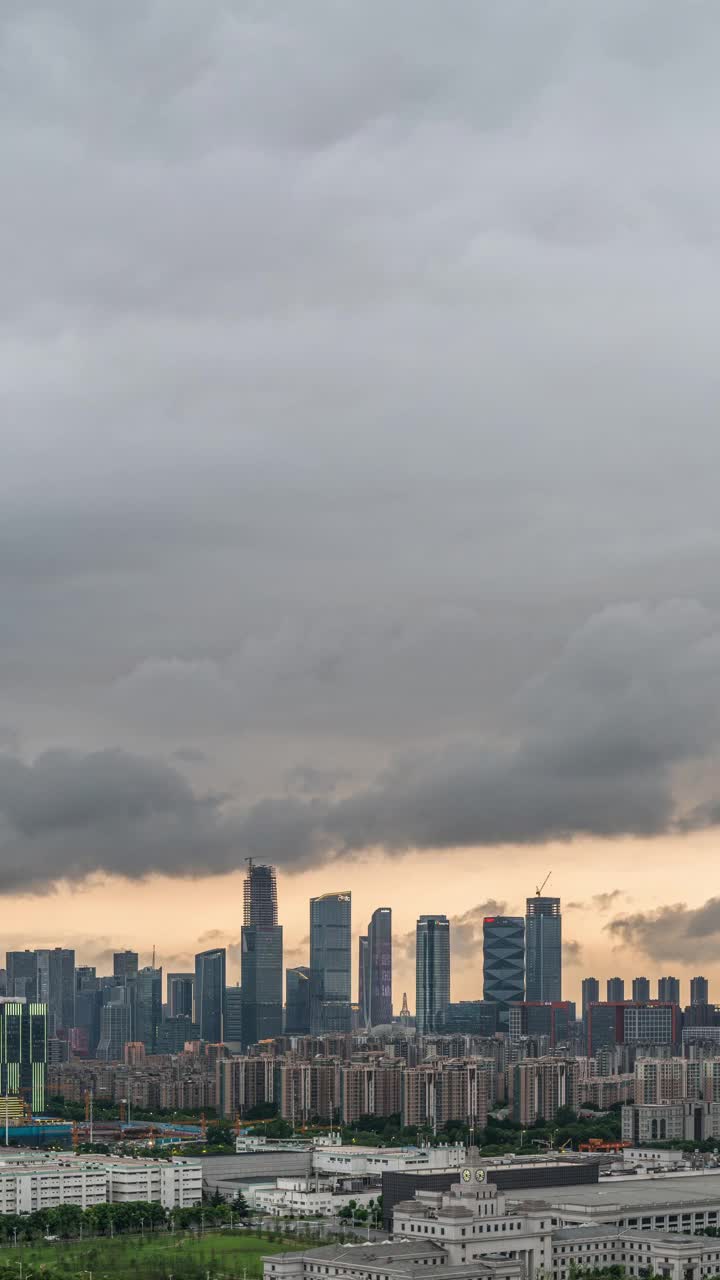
[539, 888]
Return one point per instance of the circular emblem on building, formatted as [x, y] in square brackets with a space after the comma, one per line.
[467, 1175]
[479, 1175]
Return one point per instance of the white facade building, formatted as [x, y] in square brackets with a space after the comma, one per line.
[29, 1183]
[305, 1196]
[369, 1162]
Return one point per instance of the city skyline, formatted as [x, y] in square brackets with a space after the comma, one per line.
[600, 959]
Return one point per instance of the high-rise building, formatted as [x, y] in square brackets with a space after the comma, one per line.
[21, 969]
[669, 990]
[210, 967]
[432, 972]
[503, 962]
[115, 1024]
[543, 949]
[125, 965]
[364, 980]
[622, 1022]
[380, 967]
[234, 1017]
[56, 987]
[147, 992]
[330, 963]
[541, 1018]
[23, 1051]
[470, 1018]
[641, 989]
[590, 992]
[180, 990]
[615, 989]
[699, 993]
[261, 956]
[297, 1001]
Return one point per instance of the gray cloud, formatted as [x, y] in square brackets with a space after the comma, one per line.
[572, 952]
[358, 376]
[673, 932]
[601, 745]
[599, 902]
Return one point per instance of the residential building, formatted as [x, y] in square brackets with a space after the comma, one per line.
[210, 967]
[590, 993]
[261, 956]
[432, 972]
[539, 1086]
[615, 990]
[699, 993]
[543, 949]
[641, 989]
[669, 990]
[503, 962]
[445, 1090]
[330, 963]
[369, 1089]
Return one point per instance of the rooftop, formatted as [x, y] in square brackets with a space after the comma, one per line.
[630, 1194]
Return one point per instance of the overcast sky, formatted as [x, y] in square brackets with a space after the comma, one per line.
[359, 485]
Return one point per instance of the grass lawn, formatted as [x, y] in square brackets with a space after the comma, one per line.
[184, 1257]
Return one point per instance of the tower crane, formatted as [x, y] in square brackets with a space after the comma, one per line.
[539, 888]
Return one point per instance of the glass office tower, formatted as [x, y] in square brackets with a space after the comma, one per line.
[330, 964]
[503, 963]
[543, 949]
[261, 957]
[210, 967]
[432, 973]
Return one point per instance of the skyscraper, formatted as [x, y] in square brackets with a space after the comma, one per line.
[125, 964]
[669, 990]
[210, 969]
[115, 1024]
[615, 989]
[590, 992]
[297, 1000]
[380, 967]
[503, 962]
[432, 972]
[641, 989]
[23, 1051]
[364, 980]
[699, 993]
[234, 1017]
[180, 989]
[543, 949]
[147, 991]
[261, 956]
[21, 974]
[330, 963]
[56, 987]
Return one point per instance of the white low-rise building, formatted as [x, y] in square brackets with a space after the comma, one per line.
[372, 1162]
[29, 1183]
[306, 1196]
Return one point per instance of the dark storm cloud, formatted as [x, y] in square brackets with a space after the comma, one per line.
[673, 932]
[352, 367]
[599, 747]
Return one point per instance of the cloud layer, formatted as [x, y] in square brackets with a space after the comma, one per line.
[360, 431]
